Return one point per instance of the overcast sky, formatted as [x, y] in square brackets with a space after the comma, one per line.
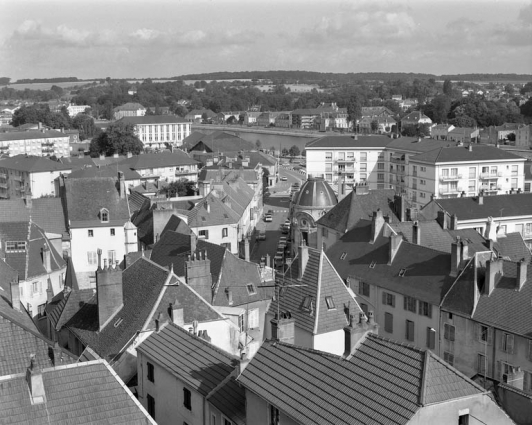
[165, 38]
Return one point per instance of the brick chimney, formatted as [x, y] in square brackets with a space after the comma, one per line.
[395, 243]
[416, 233]
[493, 274]
[15, 294]
[177, 313]
[376, 225]
[283, 328]
[522, 268]
[356, 332]
[454, 222]
[46, 258]
[303, 258]
[198, 274]
[491, 230]
[121, 184]
[35, 382]
[109, 292]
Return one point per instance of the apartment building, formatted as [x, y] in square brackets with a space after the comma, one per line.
[40, 143]
[129, 109]
[523, 136]
[355, 158]
[157, 131]
[449, 172]
[74, 110]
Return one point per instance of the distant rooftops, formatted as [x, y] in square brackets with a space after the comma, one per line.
[155, 119]
[353, 141]
[472, 152]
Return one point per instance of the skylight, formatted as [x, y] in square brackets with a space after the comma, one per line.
[330, 303]
[306, 303]
[373, 264]
[251, 289]
[344, 254]
[402, 272]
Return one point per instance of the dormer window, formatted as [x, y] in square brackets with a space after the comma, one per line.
[251, 289]
[402, 272]
[330, 303]
[104, 215]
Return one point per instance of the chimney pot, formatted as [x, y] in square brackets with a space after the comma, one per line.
[522, 268]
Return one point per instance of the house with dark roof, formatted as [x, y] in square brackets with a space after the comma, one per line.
[42, 143]
[450, 172]
[182, 376]
[216, 142]
[355, 159]
[36, 176]
[487, 324]
[463, 134]
[158, 131]
[196, 115]
[132, 177]
[415, 118]
[86, 392]
[508, 214]
[98, 218]
[378, 381]
[130, 109]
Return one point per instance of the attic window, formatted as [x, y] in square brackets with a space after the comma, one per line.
[15, 246]
[251, 289]
[306, 303]
[330, 303]
[402, 272]
[203, 219]
[118, 322]
[226, 216]
[373, 264]
[104, 215]
[344, 254]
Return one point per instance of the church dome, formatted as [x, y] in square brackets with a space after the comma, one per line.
[315, 193]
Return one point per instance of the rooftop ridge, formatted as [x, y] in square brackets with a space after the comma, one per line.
[274, 343]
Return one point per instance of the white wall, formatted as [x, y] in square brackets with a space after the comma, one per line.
[34, 299]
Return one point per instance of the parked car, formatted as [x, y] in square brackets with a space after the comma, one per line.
[270, 212]
[285, 229]
[284, 178]
[262, 235]
[262, 261]
[268, 217]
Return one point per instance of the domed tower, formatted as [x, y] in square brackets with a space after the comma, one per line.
[314, 199]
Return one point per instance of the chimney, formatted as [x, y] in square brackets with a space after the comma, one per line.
[109, 292]
[303, 258]
[158, 322]
[395, 243]
[361, 189]
[15, 294]
[177, 313]
[522, 267]
[246, 249]
[456, 248]
[46, 258]
[58, 354]
[35, 382]
[198, 274]
[491, 230]
[283, 328]
[400, 206]
[376, 225]
[442, 219]
[464, 250]
[27, 200]
[121, 185]
[49, 291]
[454, 222]
[193, 241]
[493, 274]
[356, 332]
[470, 147]
[480, 198]
[102, 156]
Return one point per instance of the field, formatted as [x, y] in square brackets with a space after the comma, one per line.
[47, 86]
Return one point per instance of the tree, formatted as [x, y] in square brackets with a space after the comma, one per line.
[374, 126]
[241, 119]
[119, 138]
[284, 152]
[441, 108]
[354, 110]
[85, 125]
[511, 137]
[258, 144]
[509, 88]
[231, 120]
[447, 87]
[205, 118]
[294, 151]
[181, 187]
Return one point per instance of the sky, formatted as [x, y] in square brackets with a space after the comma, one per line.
[167, 38]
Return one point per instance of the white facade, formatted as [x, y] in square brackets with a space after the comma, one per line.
[226, 235]
[33, 293]
[156, 135]
[43, 143]
[170, 174]
[15, 183]
[74, 110]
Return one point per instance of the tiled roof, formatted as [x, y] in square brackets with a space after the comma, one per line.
[219, 141]
[33, 164]
[66, 304]
[144, 278]
[512, 247]
[197, 363]
[493, 206]
[355, 207]
[383, 382]
[106, 171]
[410, 144]
[415, 116]
[14, 210]
[427, 270]
[81, 393]
[350, 142]
[219, 172]
[154, 119]
[320, 280]
[48, 213]
[30, 135]
[463, 154]
[159, 160]
[86, 197]
[130, 106]
[230, 399]
[219, 214]
[505, 308]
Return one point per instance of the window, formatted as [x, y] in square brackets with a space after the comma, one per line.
[187, 398]
[213, 419]
[423, 169]
[409, 330]
[448, 357]
[425, 309]
[224, 232]
[251, 289]
[527, 381]
[15, 246]
[380, 177]
[431, 338]
[514, 170]
[503, 370]
[445, 172]
[90, 233]
[41, 312]
[514, 184]
[402, 272]
[363, 156]
[388, 299]
[363, 168]
[363, 289]
[91, 258]
[448, 332]
[481, 364]
[203, 234]
[363, 177]
[422, 182]
[484, 334]
[151, 406]
[274, 415]
[36, 287]
[226, 421]
[151, 377]
[253, 318]
[328, 156]
[111, 255]
[422, 195]
[410, 304]
[472, 172]
[463, 419]
[341, 156]
[112, 231]
[388, 322]
[104, 215]
[454, 172]
[507, 343]
[471, 186]
[380, 166]
[330, 303]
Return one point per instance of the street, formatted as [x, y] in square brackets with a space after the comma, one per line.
[279, 203]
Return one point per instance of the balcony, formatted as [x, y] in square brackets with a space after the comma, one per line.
[3, 176]
[485, 176]
[397, 160]
[47, 150]
[451, 191]
[491, 188]
[4, 148]
[3, 185]
[48, 143]
[450, 178]
[348, 160]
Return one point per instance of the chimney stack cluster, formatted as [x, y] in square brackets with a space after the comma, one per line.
[459, 253]
[283, 328]
[355, 332]
[376, 225]
[109, 291]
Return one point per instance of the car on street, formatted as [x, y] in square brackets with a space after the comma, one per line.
[284, 178]
[283, 239]
[262, 235]
[285, 229]
[286, 223]
[268, 217]
[262, 261]
[270, 212]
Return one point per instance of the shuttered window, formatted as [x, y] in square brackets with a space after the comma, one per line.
[448, 332]
[388, 322]
[409, 330]
[507, 343]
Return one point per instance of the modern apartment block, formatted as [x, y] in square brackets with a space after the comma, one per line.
[155, 131]
[40, 143]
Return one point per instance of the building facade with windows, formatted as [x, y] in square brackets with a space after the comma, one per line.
[158, 131]
[129, 109]
[38, 143]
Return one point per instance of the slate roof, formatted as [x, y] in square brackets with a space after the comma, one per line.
[142, 277]
[353, 208]
[462, 154]
[512, 247]
[220, 172]
[320, 280]
[48, 213]
[32, 164]
[30, 135]
[81, 393]
[220, 213]
[136, 200]
[315, 193]
[414, 145]
[106, 171]
[159, 160]
[130, 106]
[14, 210]
[467, 208]
[427, 270]
[219, 141]
[505, 308]
[86, 197]
[383, 382]
[350, 142]
[66, 304]
[172, 349]
[230, 399]
[154, 119]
